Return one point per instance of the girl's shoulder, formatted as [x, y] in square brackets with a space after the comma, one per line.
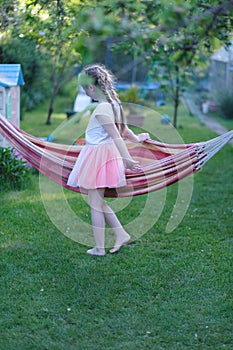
[104, 105]
[104, 108]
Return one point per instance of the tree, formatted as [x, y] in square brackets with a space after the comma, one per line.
[60, 32]
[52, 28]
[15, 47]
[191, 29]
[173, 33]
[170, 32]
[8, 14]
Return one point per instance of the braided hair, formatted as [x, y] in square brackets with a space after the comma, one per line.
[104, 79]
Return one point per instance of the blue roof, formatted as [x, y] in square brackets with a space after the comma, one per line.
[11, 75]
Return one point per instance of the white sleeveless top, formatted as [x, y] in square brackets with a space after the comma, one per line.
[95, 133]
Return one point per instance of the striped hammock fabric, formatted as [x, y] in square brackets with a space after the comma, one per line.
[162, 164]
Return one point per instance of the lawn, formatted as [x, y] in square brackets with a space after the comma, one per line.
[166, 291]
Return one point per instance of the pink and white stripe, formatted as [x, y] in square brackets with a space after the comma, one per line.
[162, 164]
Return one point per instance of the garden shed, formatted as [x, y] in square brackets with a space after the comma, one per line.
[221, 72]
[11, 78]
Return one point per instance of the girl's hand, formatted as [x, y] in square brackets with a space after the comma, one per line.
[143, 137]
[132, 165]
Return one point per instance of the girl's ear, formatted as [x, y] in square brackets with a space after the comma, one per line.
[92, 87]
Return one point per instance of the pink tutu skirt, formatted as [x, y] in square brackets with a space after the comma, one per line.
[98, 166]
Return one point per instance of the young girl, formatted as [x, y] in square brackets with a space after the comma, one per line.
[104, 158]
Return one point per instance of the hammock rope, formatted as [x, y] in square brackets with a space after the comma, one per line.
[162, 164]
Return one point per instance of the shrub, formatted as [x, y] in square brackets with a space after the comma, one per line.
[226, 106]
[131, 95]
[14, 173]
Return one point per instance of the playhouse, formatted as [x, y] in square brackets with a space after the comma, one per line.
[11, 78]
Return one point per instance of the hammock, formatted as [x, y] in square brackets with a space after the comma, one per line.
[162, 164]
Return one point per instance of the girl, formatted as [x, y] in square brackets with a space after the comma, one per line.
[104, 158]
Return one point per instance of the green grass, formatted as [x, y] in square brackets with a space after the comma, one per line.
[164, 292]
[34, 122]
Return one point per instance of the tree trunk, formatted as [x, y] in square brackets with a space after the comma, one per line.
[48, 121]
[57, 78]
[176, 98]
[50, 111]
[175, 115]
[51, 104]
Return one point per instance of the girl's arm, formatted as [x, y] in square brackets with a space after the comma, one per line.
[112, 130]
[129, 135]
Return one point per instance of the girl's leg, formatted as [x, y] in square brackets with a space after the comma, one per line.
[96, 201]
[122, 237]
[101, 213]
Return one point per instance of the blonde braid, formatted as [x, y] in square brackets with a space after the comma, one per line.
[105, 80]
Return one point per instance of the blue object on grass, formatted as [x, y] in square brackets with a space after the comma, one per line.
[160, 103]
[49, 138]
[165, 119]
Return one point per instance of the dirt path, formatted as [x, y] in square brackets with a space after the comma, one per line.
[208, 121]
[213, 125]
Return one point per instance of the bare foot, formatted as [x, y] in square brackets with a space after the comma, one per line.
[120, 241]
[96, 251]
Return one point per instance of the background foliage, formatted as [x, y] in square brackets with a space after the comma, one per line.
[14, 175]
[24, 51]
[130, 37]
[226, 105]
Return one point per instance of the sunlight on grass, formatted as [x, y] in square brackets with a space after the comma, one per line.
[12, 245]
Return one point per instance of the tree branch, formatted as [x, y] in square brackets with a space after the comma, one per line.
[213, 11]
